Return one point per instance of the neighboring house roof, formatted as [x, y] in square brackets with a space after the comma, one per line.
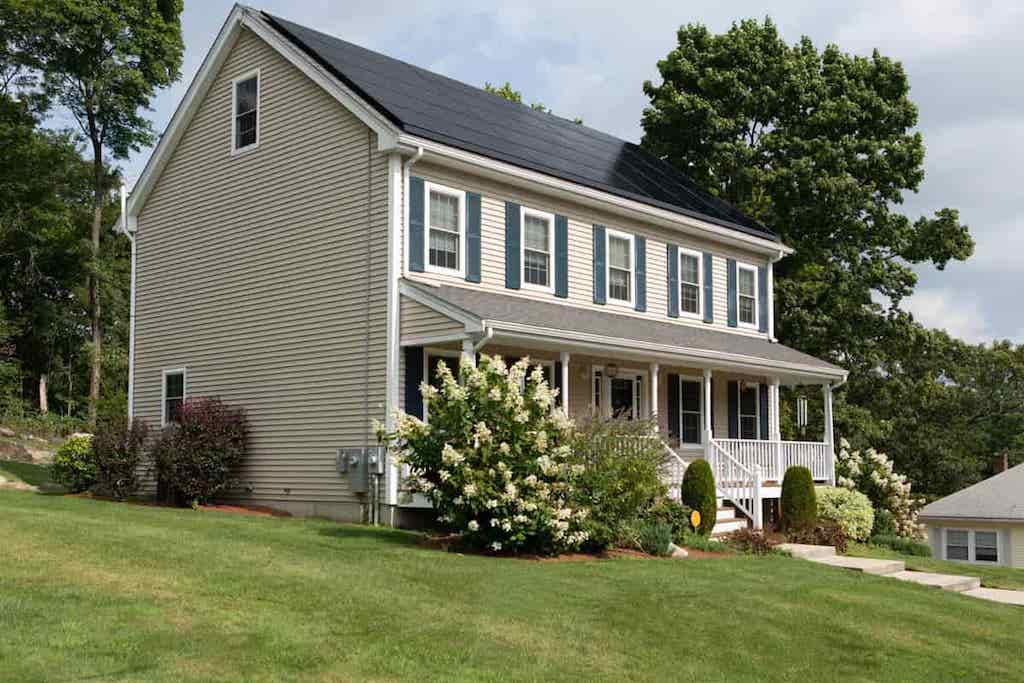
[576, 322]
[443, 110]
[997, 498]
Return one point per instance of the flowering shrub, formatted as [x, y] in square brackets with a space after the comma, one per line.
[494, 459]
[74, 464]
[117, 447]
[195, 458]
[851, 510]
[871, 473]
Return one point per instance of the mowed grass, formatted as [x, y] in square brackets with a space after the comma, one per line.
[104, 591]
[991, 577]
[36, 475]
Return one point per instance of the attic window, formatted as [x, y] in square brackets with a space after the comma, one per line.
[246, 109]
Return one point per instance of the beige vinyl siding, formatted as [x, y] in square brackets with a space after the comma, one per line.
[1011, 539]
[581, 220]
[420, 321]
[1017, 545]
[264, 274]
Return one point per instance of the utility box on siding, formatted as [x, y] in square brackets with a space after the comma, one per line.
[359, 463]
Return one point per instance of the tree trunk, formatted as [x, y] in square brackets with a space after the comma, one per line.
[44, 403]
[94, 285]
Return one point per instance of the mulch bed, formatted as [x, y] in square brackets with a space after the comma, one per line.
[446, 542]
[252, 510]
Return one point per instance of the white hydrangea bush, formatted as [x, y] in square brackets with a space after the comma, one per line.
[871, 473]
[493, 459]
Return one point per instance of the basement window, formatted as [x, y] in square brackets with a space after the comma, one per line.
[245, 106]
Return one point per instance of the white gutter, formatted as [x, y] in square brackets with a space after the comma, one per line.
[484, 340]
[128, 228]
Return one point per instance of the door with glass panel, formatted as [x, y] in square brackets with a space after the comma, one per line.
[619, 394]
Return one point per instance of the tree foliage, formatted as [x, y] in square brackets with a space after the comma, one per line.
[512, 95]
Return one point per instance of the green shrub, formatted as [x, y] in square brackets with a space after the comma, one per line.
[799, 504]
[654, 537]
[851, 510]
[673, 513]
[823, 533]
[74, 464]
[698, 492]
[906, 546]
[620, 481]
[885, 523]
[750, 541]
[196, 457]
[697, 541]
[117, 447]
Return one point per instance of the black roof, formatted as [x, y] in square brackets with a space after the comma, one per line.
[444, 110]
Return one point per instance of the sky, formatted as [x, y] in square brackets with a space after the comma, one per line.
[590, 58]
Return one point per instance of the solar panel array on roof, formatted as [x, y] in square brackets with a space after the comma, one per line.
[441, 109]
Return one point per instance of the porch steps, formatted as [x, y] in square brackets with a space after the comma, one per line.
[726, 521]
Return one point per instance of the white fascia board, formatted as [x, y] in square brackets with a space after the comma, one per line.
[534, 180]
[697, 357]
[387, 133]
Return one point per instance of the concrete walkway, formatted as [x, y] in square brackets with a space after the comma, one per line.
[965, 585]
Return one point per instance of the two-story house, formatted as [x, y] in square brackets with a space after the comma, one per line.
[321, 224]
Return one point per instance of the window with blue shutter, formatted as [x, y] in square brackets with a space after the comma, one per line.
[672, 256]
[599, 265]
[561, 256]
[709, 290]
[417, 207]
[413, 379]
[472, 237]
[640, 247]
[731, 281]
[512, 237]
[674, 412]
[558, 383]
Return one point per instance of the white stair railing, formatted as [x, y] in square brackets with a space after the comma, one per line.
[737, 483]
[673, 470]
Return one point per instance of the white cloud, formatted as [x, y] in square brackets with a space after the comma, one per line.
[958, 312]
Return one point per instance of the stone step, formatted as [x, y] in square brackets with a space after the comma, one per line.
[728, 526]
[947, 582]
[862, 564]
[807, 552]
[724, 514]
[997, 595]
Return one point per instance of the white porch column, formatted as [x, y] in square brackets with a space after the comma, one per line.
[469, 351]
[829, 437]
[708, 427]
[565, 381]
[773, 400]
[653, 410]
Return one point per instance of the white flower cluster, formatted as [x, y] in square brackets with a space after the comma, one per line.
[872, 473]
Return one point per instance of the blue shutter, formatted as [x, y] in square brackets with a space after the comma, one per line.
[561, 256]
[558, 382]
[762, 299]
[417, 207]
[413, 379]
[672, 255]
[599, 265]
[472, 237]
[675, 415]
[731, 265]
[764, 411]
[512, 245]
[640, 249]
[734, 410]
[709, 290]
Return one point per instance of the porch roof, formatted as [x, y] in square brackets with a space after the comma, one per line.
[513, 315]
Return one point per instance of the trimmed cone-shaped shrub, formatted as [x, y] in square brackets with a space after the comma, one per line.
[698, 493]
[799, 503]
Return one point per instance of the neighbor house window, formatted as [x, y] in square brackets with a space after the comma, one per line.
[690, 411]
[689, 282]
[958, 545]
[972, 545]
[748, 411]
[173, 395]
[246, 101]
[986, 546]
[538, 246]
[746, 292]
[446, 223]
[620, 267]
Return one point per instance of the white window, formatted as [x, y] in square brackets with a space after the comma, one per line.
[749, 410]
[446, 229]
[690, 280]
[746, 294]
[972, 545]
[538, 248]
[620, 267]
[958, 545]
[986, 546]
[172, 395]
[690, 414]
[245, 108]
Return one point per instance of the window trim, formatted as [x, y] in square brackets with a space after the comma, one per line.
[639, 396]
[164, 374]
[757, 409]
[550, 218]
[757, 301]
[235, 149]
[683, 251]
[429, 187]
[608, 234]
[700, 397]
[972, 546]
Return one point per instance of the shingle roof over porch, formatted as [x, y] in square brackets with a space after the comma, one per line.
[506, 311]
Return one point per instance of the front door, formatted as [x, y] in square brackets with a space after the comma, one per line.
[620, 396]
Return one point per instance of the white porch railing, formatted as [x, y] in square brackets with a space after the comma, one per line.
[672, 472]
[775, 457]
[736, 482]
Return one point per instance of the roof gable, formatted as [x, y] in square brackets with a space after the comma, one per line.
[1000, 497]
[443, 110]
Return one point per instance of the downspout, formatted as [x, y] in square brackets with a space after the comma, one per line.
[130, 234]
[484, 340]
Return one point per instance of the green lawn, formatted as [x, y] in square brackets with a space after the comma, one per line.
[991, 577]
[36, 475]
[103, 591]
